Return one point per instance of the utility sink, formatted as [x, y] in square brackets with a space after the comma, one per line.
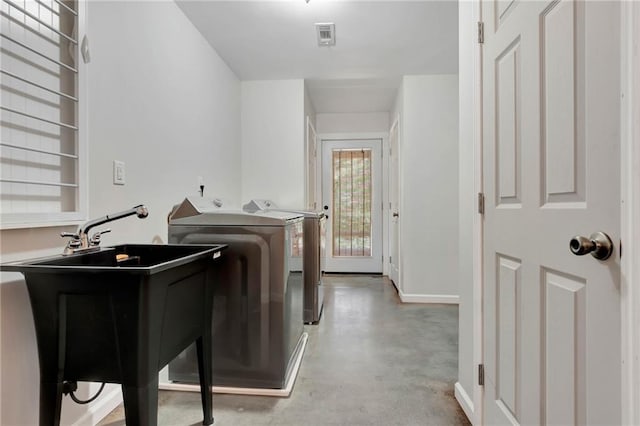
[136, 258]
[119, 315]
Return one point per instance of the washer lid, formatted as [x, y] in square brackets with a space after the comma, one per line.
[203, 211]
[256, 205]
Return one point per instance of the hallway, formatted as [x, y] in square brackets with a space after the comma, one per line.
[370, 361]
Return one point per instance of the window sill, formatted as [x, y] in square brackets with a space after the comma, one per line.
[29, 221]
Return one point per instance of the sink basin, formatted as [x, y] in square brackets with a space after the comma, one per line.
[119, 315]
[136, 258]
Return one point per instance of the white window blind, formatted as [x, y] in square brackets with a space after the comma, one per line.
[42, 109]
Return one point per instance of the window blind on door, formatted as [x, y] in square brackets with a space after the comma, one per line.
[352, 188]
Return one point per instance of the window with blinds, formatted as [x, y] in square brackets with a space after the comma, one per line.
[41, 111]
[352, 188]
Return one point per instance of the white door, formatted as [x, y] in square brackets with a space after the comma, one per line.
[352, 198]
[551, 171]
[394, 207]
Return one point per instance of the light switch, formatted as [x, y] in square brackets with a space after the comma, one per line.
[118, 172]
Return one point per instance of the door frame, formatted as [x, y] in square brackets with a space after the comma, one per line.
[395, 124]
[630, 212]
[630, 232]
[470, 399]
[384, 138]
[311, 140]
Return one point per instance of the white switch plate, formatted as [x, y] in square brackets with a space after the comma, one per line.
[118, 172]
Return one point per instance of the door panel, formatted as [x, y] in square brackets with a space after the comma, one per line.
[352, 197]
[564, 307]
[562, 112]
[508, 137]
[551, 171]
[508, 309]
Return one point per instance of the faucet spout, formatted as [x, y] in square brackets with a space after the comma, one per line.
[140, 211]
[80, 240]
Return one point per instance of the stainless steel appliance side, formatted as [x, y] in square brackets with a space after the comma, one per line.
[257, 306]
[313, 256]
[314, 234]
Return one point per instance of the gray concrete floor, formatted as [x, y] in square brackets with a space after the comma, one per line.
[370, 361]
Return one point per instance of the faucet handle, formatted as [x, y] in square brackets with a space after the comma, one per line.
[75, 241]
[95, 238]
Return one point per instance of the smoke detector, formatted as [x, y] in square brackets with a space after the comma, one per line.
[326, 34]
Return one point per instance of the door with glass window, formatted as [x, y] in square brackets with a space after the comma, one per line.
[352, 198]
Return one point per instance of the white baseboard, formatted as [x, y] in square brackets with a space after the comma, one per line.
[429, 298]
[464, 400]
[102, 407]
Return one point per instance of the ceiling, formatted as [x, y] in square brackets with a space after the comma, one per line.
[377, 42]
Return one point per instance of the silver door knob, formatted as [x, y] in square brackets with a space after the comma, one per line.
[598, 244]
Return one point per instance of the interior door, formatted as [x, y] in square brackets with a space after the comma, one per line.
[352, 198]
[394, 207]
[551, 171]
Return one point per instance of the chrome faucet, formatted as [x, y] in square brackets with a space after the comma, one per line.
[80, 241]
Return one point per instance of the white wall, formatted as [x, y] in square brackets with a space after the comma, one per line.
[162, 101]
[173, 113]
[429, 188]
[273, 135]
[352, 122]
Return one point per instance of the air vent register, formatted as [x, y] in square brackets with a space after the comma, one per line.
[326, 34]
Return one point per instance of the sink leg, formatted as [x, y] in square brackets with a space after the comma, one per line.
[203, 350]
[50, 403]
[141, 404]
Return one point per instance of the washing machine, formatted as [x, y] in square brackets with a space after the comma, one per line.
[258, 298]
[313, 254]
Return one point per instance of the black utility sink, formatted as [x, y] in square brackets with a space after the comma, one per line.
[118, 315]
[139, 258]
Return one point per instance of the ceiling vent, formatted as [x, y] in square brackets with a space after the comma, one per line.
[326, 34]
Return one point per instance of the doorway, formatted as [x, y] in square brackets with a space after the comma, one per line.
[352, 198]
